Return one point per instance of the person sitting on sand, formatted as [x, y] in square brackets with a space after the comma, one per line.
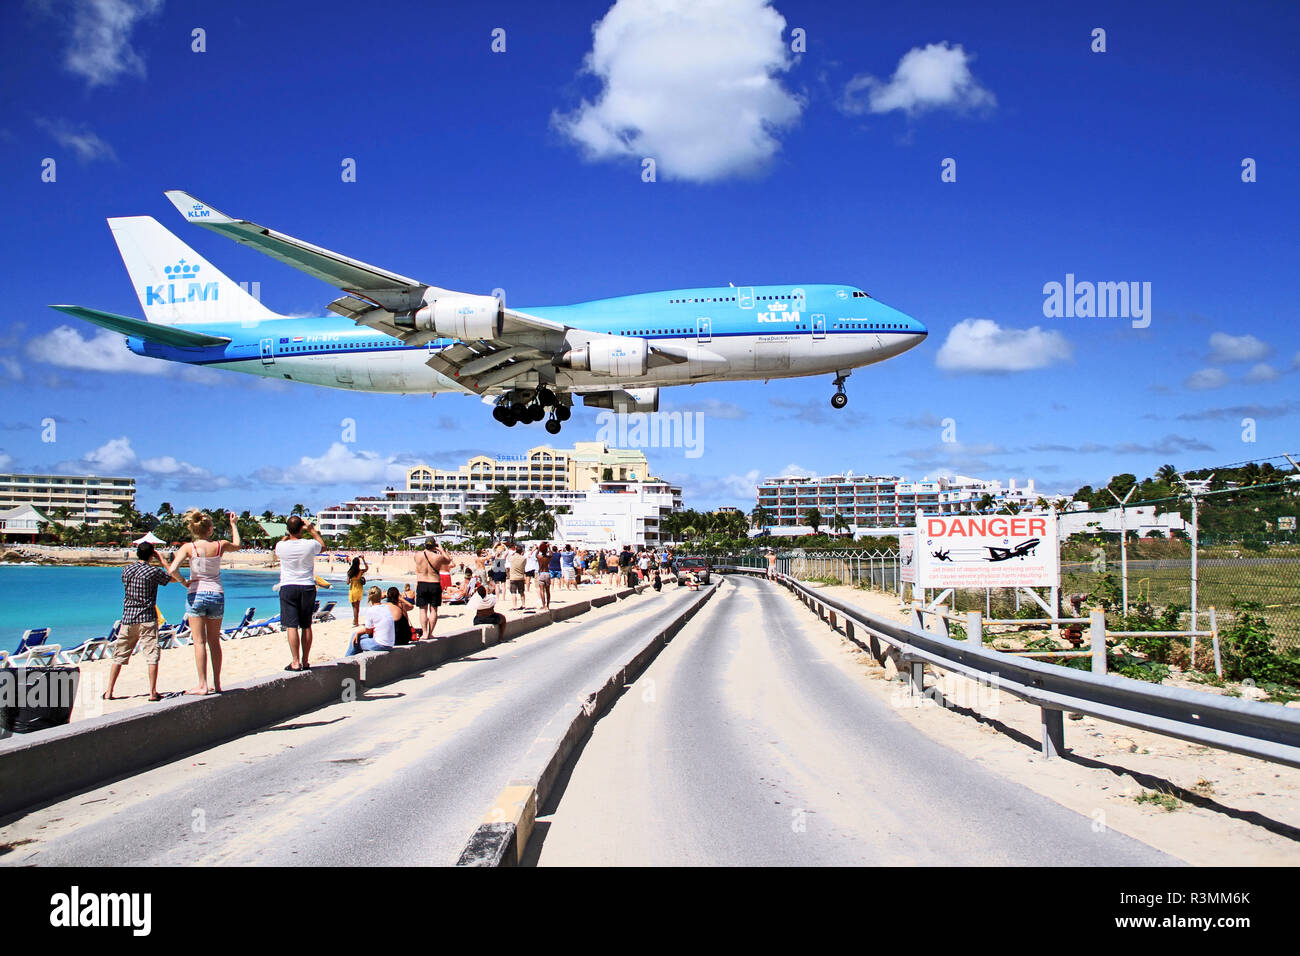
[408, 595]
[379, 632]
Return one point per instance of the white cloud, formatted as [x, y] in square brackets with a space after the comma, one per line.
[795, 471]
[99, 45]
[5, 461]
[936, 76]
[79, 138]
[981, 345]
[340, 464]
[112, 457]
[713, 408]
[117, 457]
[66, 347]
[1207, 378]
[106, 351]
[1262, 372]
[691, 84]
[12, 368]
[1236, 348]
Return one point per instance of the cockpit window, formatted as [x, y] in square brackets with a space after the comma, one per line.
[861, 295]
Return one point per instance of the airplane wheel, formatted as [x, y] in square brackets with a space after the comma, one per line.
[839, 400]
[563, 412]
[535, 413]
[553, 426]
[500, 413]
[519, 412]
[545, 397]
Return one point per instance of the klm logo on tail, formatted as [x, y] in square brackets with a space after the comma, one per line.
[182, 285]
[198, 211]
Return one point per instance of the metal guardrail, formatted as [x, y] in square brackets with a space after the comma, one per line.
[1267, 731]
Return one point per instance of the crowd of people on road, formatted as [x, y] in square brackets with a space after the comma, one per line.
[508, 568]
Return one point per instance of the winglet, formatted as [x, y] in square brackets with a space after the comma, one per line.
[195, 210]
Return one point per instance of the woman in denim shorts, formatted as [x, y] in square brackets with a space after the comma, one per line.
[205, 603]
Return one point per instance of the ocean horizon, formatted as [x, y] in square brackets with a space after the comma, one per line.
[83, 602]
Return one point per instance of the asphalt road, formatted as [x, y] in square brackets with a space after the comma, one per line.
[401, 776]
[744, 743]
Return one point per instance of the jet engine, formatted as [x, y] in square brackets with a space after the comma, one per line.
[625, 400]
[620, 358]
[464, 317]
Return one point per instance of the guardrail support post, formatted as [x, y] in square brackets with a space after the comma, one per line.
[975, 628]
[1053, 732]
[1214, 637]
[916, 678]
[1097, 633]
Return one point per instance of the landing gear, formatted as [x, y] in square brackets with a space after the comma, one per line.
[522, 407]
[839, 399]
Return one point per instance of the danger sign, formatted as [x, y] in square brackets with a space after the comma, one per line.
[986, 551]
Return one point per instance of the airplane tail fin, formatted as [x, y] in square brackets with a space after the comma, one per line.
[176, 284]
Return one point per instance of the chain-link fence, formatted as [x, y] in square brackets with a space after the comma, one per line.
[1247, 557]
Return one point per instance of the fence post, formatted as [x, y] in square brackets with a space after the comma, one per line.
[1097, 633]
[975, 628]
[1214, 639]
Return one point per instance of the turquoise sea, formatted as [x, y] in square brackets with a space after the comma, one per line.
[80, 603]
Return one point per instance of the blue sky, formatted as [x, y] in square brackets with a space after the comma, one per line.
[523, 170]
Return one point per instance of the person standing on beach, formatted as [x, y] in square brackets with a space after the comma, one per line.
[544, 574]
[357, 586]
[140, 582]
[429, 566]
[205, 602]
[515, 565]
[297, 557]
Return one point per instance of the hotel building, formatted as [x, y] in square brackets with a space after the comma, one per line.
[871, 502]
[88, 498]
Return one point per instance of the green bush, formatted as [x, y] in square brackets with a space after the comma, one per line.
[1247, 648]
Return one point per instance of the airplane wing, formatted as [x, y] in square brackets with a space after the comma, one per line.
[375, 297]
[149, 331]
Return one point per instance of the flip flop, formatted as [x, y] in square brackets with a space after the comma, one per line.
[290, 667]
[155, 698]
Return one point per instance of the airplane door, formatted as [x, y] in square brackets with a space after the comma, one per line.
[800, 301]
[745, 297]
[818, 326]
[704, 329]
[268, 351]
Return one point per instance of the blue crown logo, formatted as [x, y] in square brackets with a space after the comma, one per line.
[181, 270]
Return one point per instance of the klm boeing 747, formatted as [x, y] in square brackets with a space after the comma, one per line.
[397, 334]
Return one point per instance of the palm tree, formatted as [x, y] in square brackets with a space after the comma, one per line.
[813, 518]
[838, 523]
[503, 511]
[1167, 473]
[760, 517]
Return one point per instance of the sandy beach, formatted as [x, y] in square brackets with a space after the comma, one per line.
[263, 655]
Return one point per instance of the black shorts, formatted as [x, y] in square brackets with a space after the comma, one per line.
[517, 586]
[428, 594]
[297, 604]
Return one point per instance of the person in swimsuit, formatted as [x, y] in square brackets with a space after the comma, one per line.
[403, 633]
[357, 586]
[429, 565]
[205, 601]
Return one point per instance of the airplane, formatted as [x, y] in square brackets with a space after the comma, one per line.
[392, 333]
[1022, 550]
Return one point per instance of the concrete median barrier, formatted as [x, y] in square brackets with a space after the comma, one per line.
[502, 838]
[49, 763]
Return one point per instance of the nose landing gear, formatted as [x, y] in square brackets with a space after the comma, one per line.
[840, 399]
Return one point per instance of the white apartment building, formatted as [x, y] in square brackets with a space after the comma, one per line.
[90, 498]
[558, 476]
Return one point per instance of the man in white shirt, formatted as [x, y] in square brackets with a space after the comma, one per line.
[377, 631]
[297, 557]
